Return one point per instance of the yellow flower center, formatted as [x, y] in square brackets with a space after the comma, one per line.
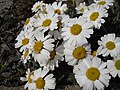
[93, 73]
[57, 11]
[38, 16]
[94, 16]
[59, 24]
[25, 41]
[37, 7]
[76, 29]
[117, 64]
[94, 53]
[52, 55]
[101, 3]
[79, 53]
[82, 9]
[38, 46]
[26, 53]
[29, 79]
[27, 21]
[40, 83]
[110, 45]
[46, 22]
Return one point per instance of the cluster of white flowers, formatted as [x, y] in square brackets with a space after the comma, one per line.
[51, 34]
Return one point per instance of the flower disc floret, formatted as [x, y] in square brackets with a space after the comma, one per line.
[40, 83]
[27, 21]
[79, 53]
[29, 77]
[76, 29]
[37, 7]
[52, 55]
[82, 9]
[57, 11]
[38, 46]
[94, 16]
[117, 64]
[25, 41]
[93, 74]
[46, 22]
[102, 2]
[26, 53]
[110, 45]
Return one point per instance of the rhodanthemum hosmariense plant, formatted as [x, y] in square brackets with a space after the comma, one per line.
[56, 34]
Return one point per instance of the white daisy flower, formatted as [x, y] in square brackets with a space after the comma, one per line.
[36, 19]
[28, 24]
[104, 3]
[37, 6]
[114, 66]
[56, 34]
[30, 85]
[55, 57]
[92, 74]
[64, 19]
[75, 54]
[81, 8]
[76, 69]
[26, 55]
[109, 44]
[47, 21]
[43, 81]
[58, 8]
[41, 48]
[24, 39]
[61, 23]
[95, 15]
[44, 9]
[36, 16]
[77, 30]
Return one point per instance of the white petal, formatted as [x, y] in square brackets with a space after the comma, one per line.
[88, 85]
[23, 79]
[44, 72]
[113, 73]
[96, 62]
[104, 81]
[49, 76]
[98, 85]
[102, 66]
[81, 80]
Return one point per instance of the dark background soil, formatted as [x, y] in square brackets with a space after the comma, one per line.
[11, 22]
